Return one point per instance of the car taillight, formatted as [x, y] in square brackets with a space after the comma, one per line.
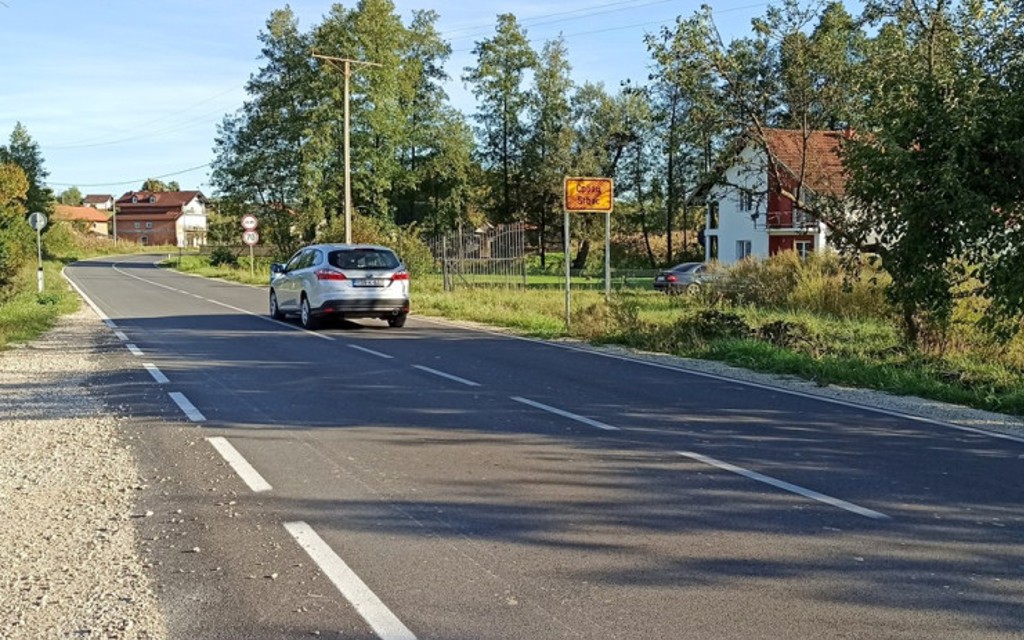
[671, 278]
[401, 275]
[326, 274]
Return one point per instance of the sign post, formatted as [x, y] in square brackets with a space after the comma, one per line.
[37, 221]
[250, 237]
[588, 195]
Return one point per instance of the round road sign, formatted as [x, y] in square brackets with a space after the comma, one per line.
[249, 222]
[250, 237]
[37, 220]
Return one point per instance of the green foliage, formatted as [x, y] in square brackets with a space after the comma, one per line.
[72, 197]
[223, 256]
[497, 82]
[822, 283]
[23, 151]
[59, 240]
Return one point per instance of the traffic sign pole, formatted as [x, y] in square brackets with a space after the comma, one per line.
[37, 221]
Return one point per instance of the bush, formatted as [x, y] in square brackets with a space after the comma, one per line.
[60, 240]
[223, 256]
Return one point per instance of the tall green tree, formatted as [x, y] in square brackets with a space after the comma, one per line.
[939, 173]
[499, 83]
[262, 150]
[23, 151]
[548, 151]
[16, 237]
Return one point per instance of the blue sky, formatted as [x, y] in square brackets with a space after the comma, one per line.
[118, 91]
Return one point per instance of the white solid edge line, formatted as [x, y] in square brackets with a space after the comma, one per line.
[92, 305]
[384, 623]
[746, 383]
[786, 486]
[370, 351]
[245, 471]
[468, 383]
[135, 350]
[223, 304]
[190, 409]
[156, 373]
[565, 414]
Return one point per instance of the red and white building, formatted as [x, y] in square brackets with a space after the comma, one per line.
[748, 215]
[176, 218]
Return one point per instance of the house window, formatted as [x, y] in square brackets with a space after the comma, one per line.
[742, 249]
[135, 199]
[152, 199]
[804, 248]
[746, 200]
[149, 225]
[143, 240]
[138, 225]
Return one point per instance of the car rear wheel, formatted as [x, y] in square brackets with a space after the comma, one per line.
[306, 317]
[275, 311]
[397, 321]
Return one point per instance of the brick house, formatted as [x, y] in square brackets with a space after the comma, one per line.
[747, 213]
[176, 218]
[89, 219]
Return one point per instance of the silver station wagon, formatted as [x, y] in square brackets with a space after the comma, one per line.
[340, 281]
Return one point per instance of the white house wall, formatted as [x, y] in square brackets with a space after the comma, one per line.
[734, 225]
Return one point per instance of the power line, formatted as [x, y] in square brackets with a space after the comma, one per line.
[127, 182]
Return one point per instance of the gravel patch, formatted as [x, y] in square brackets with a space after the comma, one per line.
[69, 565]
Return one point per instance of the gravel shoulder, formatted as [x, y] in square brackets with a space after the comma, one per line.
[69, 561]
[69, 482]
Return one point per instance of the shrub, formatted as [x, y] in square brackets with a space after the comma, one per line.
[223, 256]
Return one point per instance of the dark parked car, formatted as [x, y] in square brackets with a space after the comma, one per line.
[681, 278]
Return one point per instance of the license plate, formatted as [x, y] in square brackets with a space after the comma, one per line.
[369, 282]
[660, 279]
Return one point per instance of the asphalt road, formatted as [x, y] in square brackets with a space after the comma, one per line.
[439, 482]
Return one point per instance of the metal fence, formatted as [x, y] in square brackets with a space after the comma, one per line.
[487, 256]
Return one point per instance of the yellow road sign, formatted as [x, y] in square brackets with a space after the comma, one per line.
[589, 195]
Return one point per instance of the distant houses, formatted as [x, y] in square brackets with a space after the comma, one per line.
[176, 218]
[103, 202]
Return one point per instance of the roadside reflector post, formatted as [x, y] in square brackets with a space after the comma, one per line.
[37, 221]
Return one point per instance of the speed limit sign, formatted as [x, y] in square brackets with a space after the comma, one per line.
[249, 222]
[250, 237]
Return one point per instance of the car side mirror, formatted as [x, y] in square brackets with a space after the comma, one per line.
[276, 268]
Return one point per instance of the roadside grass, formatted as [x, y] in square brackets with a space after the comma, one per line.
[848, 340]
[258, 273]
[26, 314]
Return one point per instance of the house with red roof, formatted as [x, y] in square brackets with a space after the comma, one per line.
[176, 218]
[752, 212]
[88, 219]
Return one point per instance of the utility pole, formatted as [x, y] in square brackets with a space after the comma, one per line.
[345, 66]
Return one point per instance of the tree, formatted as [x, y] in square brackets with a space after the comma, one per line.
[23, 151]
[940, 171]
[16, 237]
[547, 153]
[502, 63]
[265, 153]
[71, 196]
[155, 186]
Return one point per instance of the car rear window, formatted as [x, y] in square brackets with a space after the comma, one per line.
[363, 259]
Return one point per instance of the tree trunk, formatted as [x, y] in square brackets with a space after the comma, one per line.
[581, 257]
